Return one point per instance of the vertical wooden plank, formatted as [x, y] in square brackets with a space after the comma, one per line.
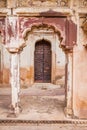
[47, 62]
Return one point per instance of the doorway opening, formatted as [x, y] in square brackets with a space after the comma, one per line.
[42, 62]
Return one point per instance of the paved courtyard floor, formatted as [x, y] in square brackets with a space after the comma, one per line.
[39, 102]
[44, 127]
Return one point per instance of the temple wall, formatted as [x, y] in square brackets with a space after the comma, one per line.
[80, 74]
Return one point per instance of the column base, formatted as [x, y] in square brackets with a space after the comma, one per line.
[12, 115]
[14, 112]
[68, 112]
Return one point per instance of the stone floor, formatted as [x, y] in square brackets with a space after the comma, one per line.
[38, 102]
[44, 127]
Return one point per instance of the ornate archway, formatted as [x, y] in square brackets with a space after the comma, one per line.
[62, 27]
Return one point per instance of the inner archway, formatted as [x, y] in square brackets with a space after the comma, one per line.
[42, 62]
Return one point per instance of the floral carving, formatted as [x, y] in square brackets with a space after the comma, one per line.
[27, 3]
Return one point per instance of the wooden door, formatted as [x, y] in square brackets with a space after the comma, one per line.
[42, 62]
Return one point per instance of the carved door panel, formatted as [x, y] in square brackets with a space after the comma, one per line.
[38, 62]
[47, 62]
[42, 62]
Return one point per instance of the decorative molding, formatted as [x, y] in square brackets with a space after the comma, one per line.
[27, 3]
[17, 122]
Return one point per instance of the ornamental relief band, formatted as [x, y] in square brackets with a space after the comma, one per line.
[59, 3]
[27, 3]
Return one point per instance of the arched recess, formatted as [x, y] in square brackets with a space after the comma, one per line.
[62, 32]
[39, 32]
[27, 31]
[49, 34]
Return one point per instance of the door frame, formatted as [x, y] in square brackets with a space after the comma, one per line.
[51, 37]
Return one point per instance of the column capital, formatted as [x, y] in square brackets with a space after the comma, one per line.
[13, 50]
[67, 50]
[68, 112]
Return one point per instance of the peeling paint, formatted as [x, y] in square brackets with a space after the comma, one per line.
[68, 40]
[2, 29]
[15, 83]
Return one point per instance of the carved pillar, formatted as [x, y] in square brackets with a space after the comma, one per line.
[69, 84]
[14, 44]
[15, 84]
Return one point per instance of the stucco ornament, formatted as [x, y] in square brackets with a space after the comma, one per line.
[27, 3]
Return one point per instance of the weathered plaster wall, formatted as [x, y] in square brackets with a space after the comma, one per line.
[80, 75]
[60, 65]
[4, 65]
